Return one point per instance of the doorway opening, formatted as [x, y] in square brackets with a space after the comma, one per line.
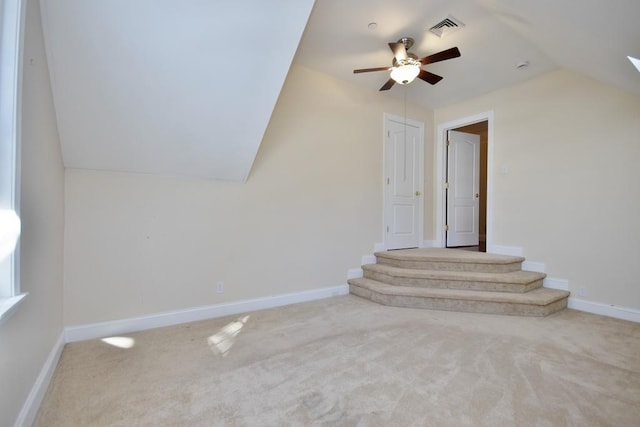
[481, 130]
[471, 226]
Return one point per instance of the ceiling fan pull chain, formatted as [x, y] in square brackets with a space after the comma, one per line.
[405, 117]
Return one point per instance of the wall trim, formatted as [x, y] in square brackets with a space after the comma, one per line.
[369, 259]
[553, 283]
[355, 273]
[505, 250]
[609, 310]
[122, 326]
[538, 267]
[428, 244]
[8, 306]
[29, 410]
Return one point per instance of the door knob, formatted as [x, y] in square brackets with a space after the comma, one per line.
[477, 195]
[417, 193]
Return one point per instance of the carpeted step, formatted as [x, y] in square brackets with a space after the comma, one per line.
[515, 281]
[538, 302]
[449, 260]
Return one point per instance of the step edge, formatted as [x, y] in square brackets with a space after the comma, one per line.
[459, 294]
[506, 259]
[467, 276]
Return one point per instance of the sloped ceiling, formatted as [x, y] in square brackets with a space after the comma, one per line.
[592, 37]
[168, 87]
[187, 87]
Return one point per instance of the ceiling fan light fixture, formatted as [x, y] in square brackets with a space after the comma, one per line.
[406, 72]
[406, 66]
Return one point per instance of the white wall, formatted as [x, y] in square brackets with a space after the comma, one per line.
[141, 244]
[138, 84]
[571, 197]
[29, 335]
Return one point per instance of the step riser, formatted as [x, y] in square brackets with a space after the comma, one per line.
[452, 284]
[451, 266]
[468, 306]
[456, 280]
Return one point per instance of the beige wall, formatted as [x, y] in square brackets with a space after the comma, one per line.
[140, 244]
[571, 197]
[28, 336]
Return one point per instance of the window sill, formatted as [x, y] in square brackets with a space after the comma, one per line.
[8, 306]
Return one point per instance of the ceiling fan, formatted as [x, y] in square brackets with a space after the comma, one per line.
[406, 66]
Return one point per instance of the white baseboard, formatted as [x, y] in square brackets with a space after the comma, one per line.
[357, 273]
[369, 259]
[538, 267]
[610, 310]
[428, 244]
[29, 410]
[505, 250]
[553, 283]
[105, 329]
[354, 273]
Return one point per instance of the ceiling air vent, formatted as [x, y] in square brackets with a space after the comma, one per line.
[447, 26]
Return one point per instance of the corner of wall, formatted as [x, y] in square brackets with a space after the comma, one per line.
[29, 410]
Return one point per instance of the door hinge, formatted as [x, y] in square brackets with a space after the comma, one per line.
[388, 134]
[387, 180]
[448, 142]
[387, 228]
[446, 228]
[446, 185]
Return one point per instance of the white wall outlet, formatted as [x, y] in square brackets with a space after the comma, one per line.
[582, 292]
[220, 287]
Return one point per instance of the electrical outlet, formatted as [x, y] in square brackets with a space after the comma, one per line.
[582, 292]
[220, 287]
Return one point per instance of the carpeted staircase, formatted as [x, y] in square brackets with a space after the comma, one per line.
[457, 280]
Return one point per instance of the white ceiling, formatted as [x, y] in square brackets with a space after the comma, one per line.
[168, 87]
[188, 87]
[592, 37]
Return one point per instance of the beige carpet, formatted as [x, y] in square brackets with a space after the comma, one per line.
[348, 362]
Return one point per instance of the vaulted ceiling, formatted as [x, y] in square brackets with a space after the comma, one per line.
[168, 87]
[592, 37]
[187, 88]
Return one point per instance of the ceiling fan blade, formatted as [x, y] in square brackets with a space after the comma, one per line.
[367, 70]
[429, 77]
[441, 56]
[399, 52]
[388, 85]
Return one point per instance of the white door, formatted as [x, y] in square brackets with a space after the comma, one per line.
[463, 176]
[403, 183]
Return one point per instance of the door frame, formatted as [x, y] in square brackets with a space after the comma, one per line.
[454, 237]
[420, 172]
[441, 171]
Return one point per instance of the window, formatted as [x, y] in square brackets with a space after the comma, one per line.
[11, 14]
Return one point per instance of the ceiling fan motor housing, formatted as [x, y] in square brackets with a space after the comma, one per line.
[407, 42]
[410, 60]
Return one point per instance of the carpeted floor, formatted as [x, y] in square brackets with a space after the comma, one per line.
[348, 362]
